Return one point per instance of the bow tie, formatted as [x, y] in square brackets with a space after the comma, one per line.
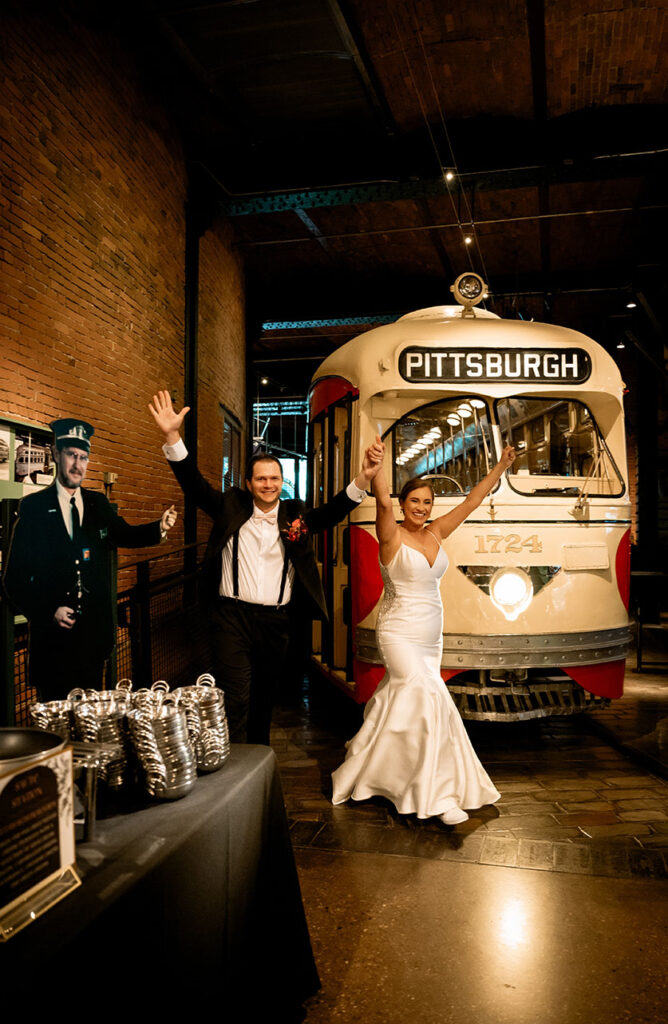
[265, 517]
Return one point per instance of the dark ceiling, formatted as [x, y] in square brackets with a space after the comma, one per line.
[326, 128]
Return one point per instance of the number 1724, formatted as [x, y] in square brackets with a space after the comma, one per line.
[492, 544]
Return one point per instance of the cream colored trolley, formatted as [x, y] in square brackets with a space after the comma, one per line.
[536, 593]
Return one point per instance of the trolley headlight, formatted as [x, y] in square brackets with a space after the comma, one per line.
[511, 591]
[469, 289]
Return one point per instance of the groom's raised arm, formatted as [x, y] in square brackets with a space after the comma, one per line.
[333, 511]
[191, 481]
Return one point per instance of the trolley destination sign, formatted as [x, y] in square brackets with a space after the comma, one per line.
[494, 365]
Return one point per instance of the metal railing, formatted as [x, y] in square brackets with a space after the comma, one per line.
[161, 632]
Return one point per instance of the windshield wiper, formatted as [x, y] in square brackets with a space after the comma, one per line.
[581, 499]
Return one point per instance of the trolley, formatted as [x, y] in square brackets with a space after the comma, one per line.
[536, 592]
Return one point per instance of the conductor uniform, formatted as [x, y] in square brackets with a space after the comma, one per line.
[59, 561]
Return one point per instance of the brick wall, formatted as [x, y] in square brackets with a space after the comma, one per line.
[92, 273]
[221, 350]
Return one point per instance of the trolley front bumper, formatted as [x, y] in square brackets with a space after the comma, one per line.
[551, 650]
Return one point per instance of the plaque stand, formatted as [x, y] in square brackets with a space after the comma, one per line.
[34, 904]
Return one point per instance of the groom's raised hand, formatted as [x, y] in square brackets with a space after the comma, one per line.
[373, 459]
[167, 420]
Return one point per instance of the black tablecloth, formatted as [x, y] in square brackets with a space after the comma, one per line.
[193, 900]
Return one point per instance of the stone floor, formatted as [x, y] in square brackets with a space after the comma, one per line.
[550, 907]
[408, 940]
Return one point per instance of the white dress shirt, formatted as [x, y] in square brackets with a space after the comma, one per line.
[261, 551]
[65, 502]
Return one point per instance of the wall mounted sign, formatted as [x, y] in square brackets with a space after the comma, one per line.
[494, 366]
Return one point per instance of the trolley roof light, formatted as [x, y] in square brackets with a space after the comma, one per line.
[511, 591]
[464, 410]
[452, 420]
[469, 289]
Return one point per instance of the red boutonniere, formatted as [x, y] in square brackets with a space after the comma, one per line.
[295, 530]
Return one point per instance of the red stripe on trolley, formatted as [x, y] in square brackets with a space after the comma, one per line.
[327, 391]
[366, 677]
[366, 581]
[606, 680]
[623, 568]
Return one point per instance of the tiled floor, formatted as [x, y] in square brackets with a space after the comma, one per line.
[570, 800]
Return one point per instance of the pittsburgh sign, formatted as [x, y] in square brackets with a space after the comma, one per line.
[494, 366]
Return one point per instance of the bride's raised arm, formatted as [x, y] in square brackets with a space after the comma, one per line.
[387, 530]
[444, 525]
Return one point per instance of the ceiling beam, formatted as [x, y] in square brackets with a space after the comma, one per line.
[352, 39]
[596, 169]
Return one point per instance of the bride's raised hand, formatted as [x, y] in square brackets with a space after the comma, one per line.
[507, 457]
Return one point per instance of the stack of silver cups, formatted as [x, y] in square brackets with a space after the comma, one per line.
[160, 735]
[173, 734]
[204, 705]
[55, 716]
[102, 719]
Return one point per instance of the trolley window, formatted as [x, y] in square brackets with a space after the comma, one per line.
[560, 449]
[446, 442]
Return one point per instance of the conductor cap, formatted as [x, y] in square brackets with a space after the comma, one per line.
[76, 433]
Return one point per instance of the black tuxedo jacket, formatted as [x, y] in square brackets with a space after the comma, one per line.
[41, 565]
[230, 509]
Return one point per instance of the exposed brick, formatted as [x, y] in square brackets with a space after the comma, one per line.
[93, 268]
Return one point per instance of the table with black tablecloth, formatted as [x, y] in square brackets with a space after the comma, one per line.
[191, 900]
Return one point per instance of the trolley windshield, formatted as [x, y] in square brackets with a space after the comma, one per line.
[559, 446]
[447, 442]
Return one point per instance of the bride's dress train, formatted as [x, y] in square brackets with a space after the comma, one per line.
[412, 747]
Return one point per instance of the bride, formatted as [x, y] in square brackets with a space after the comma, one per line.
[412, 747]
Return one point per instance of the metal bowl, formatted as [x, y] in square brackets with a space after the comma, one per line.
[20, 746]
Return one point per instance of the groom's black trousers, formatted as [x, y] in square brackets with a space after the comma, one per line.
[250, 642]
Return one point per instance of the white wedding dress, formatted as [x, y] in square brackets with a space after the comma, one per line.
[412, 747]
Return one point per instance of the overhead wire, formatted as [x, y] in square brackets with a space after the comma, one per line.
[452, 162]
[450, 146]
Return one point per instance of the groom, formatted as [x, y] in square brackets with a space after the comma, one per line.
[258, 559]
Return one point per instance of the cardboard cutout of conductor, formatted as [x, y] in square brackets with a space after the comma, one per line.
[58, 568]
